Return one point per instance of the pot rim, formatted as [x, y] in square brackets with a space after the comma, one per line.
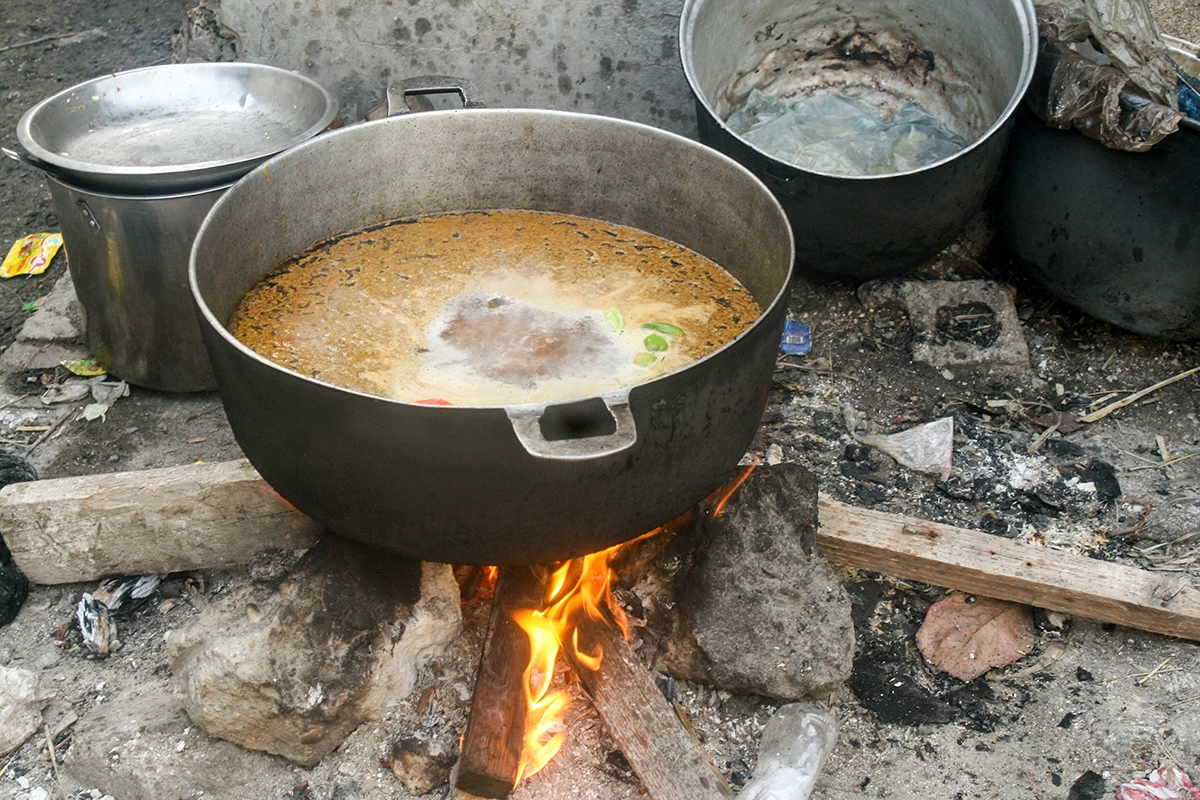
[170, 178]
[511, 408]
[1029, 37]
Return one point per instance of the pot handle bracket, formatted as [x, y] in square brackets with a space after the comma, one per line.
[400, 90]
[527, 425]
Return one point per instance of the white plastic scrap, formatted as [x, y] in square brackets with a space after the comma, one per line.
[105, 393]
[844, 134]
[927, 448]
[67, 392]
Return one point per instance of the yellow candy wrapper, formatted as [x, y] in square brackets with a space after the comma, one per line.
[30, 255]
[84, 368]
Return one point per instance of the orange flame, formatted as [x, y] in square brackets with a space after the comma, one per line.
[728, 490]
[579, 588]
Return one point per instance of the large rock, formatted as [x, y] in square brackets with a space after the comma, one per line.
[22, 699]
[140, 745]
[759, 611]
[292, 668]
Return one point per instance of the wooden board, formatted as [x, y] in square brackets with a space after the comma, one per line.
[198, 516]
[979, 563]
[670, 762]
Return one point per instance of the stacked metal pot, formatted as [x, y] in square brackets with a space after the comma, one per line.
[134, 161]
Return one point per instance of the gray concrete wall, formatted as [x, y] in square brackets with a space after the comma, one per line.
[614, 57]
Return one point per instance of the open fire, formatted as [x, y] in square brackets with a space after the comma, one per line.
[579, 588]
[548, 613]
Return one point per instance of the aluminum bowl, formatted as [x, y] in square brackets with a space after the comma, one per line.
[172, 128]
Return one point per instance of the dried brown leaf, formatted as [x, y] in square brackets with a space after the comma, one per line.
[1067, 423]
[965, 636]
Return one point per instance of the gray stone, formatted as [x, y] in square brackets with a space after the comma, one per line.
[203, 38]
[140, 745]
[60, 317]
[22, 699]
[293, 668]
[1184, 737]
[759, 611]
[924, 299]
[51, 335]
[618, 59]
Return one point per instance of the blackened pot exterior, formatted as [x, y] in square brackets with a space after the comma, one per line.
[457, 484]
[1117, 235]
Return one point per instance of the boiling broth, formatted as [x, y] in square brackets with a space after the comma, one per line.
[492, 307]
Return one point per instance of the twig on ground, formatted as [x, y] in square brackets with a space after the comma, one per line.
[29, 449]
[1175, 459]
[1036, 444]
[42, 40]
[1155, 671]
[54, 762]
[16, 399]
[1133, 398]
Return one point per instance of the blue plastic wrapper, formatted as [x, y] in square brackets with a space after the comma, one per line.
[1189, 96]
[797, 338]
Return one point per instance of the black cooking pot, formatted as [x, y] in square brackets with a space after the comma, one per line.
[1115, 234]
[497, 484]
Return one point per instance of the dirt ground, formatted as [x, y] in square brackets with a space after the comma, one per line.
[1107, 704]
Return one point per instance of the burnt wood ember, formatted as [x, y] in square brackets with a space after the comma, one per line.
[495, 733]
[644, 724]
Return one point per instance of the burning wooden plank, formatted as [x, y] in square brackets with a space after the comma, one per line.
[666, 757]
[495, 734]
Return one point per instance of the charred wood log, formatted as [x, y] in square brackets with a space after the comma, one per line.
[495, 733]
[665, 755]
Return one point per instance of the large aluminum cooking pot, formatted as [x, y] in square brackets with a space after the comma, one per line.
[497, 484]
[128, 258]
[172, 128]
[967, 63]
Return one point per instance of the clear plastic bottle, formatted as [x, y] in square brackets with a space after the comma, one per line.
[795, 743]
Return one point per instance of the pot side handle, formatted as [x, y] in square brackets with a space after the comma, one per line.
[527, 425]
[26, 159]
[399, 90]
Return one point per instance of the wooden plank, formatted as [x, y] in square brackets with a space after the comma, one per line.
[979, 563]
[198, 516]
[670, 762]
[495, 734]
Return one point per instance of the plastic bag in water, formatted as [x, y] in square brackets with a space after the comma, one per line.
[842, 134]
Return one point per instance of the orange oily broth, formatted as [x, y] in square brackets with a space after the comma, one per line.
[382, 310]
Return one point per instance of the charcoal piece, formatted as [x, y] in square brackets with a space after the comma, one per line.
[422, 765]
[1088, 786]
[895, 698]
[1102, 474]
[14, 469]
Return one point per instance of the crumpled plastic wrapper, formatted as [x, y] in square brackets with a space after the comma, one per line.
[1164, 783]
[926, 448]
[1123, 95]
